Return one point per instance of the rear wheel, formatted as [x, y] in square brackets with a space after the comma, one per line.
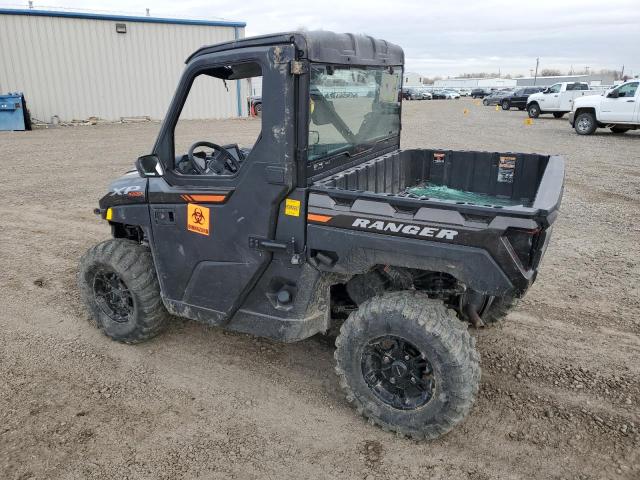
[620, 129]
[533, 110]
[408, 364]
[585, 123]
[558, 114]
[506, 105]
[118, 284]
[258, 109]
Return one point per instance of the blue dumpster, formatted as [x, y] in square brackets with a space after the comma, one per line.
[13, 114]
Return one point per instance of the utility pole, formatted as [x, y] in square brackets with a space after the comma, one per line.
[535, 78]
[622, 73]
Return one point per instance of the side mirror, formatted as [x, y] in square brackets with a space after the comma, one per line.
[149, 166]
[314, 137]
[614, 94]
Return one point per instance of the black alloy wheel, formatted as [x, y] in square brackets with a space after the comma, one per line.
[112, 295]
[398, 373]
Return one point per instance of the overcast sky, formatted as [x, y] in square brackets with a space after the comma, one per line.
[438, 37]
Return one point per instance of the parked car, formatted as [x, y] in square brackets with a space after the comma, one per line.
[439, 95]
[464, 92]
[452, 94]
[557, 99]
[495, 97]
[415, 93]
[480, 92]
[426, 94]
[256, 104]
[617, 109]
[519, 98]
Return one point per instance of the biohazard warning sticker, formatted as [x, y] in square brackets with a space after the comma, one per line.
[438, 157]
[198, 219]
[506, 168]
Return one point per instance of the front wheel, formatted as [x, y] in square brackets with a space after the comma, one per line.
[585, 123]
[485, 103]
[505, 105]
[533, 110]
[408, 364]
[119, 286]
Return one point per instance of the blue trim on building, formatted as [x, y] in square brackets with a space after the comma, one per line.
[123, 18]
[238, 94]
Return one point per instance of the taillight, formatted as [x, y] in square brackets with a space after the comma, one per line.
[523, 242]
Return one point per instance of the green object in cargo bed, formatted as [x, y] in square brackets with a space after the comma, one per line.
[443, 192]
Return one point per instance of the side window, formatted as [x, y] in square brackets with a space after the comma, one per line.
[205, 144]
[572, 86]
[584, 86]
[555, 88]
[628, 90]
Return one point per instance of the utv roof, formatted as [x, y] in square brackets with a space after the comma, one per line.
[322, 46]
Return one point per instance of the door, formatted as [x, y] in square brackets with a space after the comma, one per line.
[620, 105]
[205, 220]
[550, 100]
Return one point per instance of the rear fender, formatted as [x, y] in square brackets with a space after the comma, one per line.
[357, 252]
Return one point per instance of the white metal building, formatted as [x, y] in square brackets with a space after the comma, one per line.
[412, 80]
[475, 83]
[78, 65]
[593, 80]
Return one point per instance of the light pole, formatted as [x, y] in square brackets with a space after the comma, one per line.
[535, 78]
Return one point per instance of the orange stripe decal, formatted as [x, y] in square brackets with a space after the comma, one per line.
[314, 217]
[208, 198]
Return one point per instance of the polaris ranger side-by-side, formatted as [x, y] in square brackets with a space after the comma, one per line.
[326, 222]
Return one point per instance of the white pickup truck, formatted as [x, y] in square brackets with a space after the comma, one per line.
[557, 99]
[617, 109]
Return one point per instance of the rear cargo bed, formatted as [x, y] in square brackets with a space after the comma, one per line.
[519, 182]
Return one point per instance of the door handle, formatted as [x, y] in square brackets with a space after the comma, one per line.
[630, 101]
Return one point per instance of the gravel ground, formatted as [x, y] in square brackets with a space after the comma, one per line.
[560, 390]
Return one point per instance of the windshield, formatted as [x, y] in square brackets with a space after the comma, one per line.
[352, 108]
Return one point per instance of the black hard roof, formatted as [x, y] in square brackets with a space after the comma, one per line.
[322, 46]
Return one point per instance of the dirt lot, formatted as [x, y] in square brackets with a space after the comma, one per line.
[560, 393]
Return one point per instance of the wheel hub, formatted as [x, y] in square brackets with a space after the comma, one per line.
[397, 372]
[399, 369]
[112, 295]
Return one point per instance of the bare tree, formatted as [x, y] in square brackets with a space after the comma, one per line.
[550, 72]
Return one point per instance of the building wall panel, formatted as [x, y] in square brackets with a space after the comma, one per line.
[76, 68]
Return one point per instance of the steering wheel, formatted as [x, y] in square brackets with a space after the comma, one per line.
[229, 161]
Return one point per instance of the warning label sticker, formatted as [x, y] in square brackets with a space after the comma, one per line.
[506, 168]
[438, 157]
[198, 219]
[292, 207]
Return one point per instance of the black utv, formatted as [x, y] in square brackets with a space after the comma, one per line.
[325, 222]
